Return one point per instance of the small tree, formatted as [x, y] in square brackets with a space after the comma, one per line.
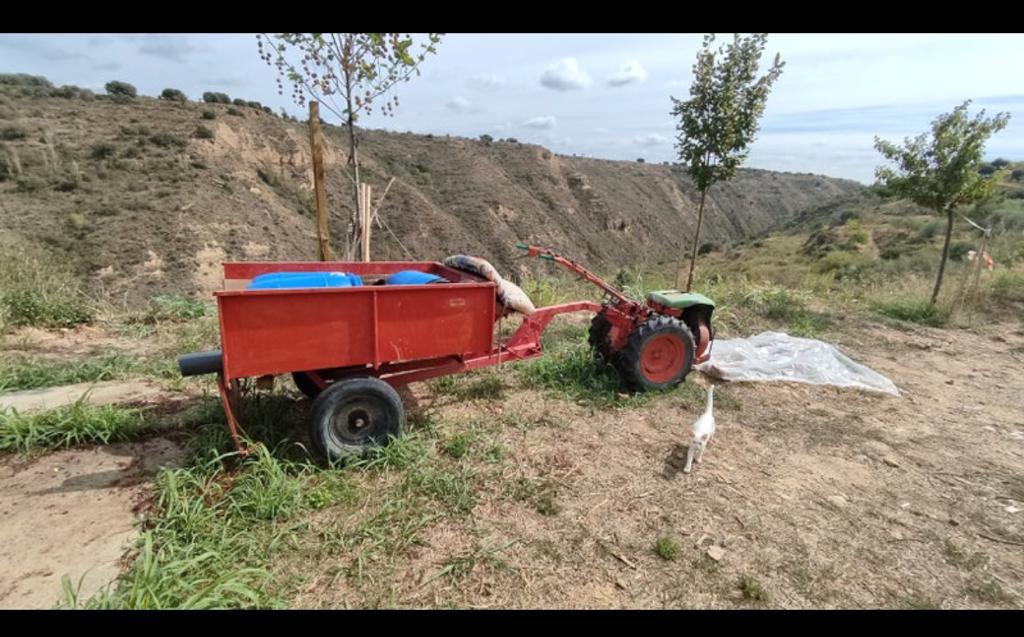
[173, 95]
[347, 73]
[940, 172]
[719, 121]
[122, 90]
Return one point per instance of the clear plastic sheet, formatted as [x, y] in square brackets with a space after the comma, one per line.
[774, 356]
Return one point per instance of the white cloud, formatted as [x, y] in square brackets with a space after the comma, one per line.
[565, 75]
[652, 139]
[486, 82]
[543, 122]
[627, 74]
[459, 104]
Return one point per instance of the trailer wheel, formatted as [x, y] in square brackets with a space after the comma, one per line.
[600, 327]
[353, 415]
[658, 354]
[306, 384]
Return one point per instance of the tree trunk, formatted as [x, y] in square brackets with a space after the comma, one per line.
[696, 241]
[357, 214]
[945, 255]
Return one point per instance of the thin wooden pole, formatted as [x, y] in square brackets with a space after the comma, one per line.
[316, 151]
[365, 204]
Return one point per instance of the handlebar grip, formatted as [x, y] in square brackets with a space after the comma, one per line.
[522, 246]
[546, 256]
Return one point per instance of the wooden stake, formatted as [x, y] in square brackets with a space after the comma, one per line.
[316, 151]
[365, 221]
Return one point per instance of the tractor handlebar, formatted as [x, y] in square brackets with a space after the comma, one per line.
[550, 255]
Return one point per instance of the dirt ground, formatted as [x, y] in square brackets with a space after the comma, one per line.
[71, 513]
[808, 497]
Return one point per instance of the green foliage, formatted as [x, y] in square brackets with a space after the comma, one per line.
[102, 150]
[216, 98]
[856, 231]
[120, 89]
[239, 102]
[940, 171]
[203, 132]
[209, 115]
[1008, 286]
[69, 426]
[36, 290]
[173, 95]
[349, 74]
[165, 139]
[486, 139]
[171, 307]
[24, 79]
[666, 549]
[720, 120]
[1018, 174]
[752, 589]
[913, 310]
[11, 133]
[31, 373]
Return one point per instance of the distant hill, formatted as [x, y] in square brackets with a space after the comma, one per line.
[143, 194]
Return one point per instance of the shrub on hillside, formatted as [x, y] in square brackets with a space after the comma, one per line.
[239, 102]
[216, 98]
[173, 95]
[24, 79]
[234, 111]
[203, 132]
[120, 89]
[10, 133]
[209, 115]
[1000, 163]
[1017, 175]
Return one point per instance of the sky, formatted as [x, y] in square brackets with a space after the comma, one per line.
[603, 95]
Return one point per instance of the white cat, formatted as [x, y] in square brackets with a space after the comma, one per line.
[703, 430]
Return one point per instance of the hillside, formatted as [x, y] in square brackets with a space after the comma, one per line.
[147, 195]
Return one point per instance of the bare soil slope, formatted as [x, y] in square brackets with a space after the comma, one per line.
[148, 196]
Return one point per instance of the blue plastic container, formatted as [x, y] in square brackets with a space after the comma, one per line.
[294, 280]
[414, 277]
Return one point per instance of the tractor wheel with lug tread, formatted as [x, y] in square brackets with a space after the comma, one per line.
[658, 353]
[600, 328]
[354, 414]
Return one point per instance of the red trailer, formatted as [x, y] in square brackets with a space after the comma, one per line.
[349, 347]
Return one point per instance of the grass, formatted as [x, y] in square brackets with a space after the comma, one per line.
[21, 372]
[77, 424]
[223, 530]
[921, 602]
[474, 386]
[913, 310]
[752, 590]
[571, 370]
[989, 591]
[666, 549]
[37, 291]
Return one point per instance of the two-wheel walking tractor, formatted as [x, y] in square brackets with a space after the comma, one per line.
[349, 347]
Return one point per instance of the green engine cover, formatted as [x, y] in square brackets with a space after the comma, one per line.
[679, 300]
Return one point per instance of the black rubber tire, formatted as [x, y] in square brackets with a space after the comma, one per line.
[306, 384]
[600, 326]
[628, 361]
[354, 414]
